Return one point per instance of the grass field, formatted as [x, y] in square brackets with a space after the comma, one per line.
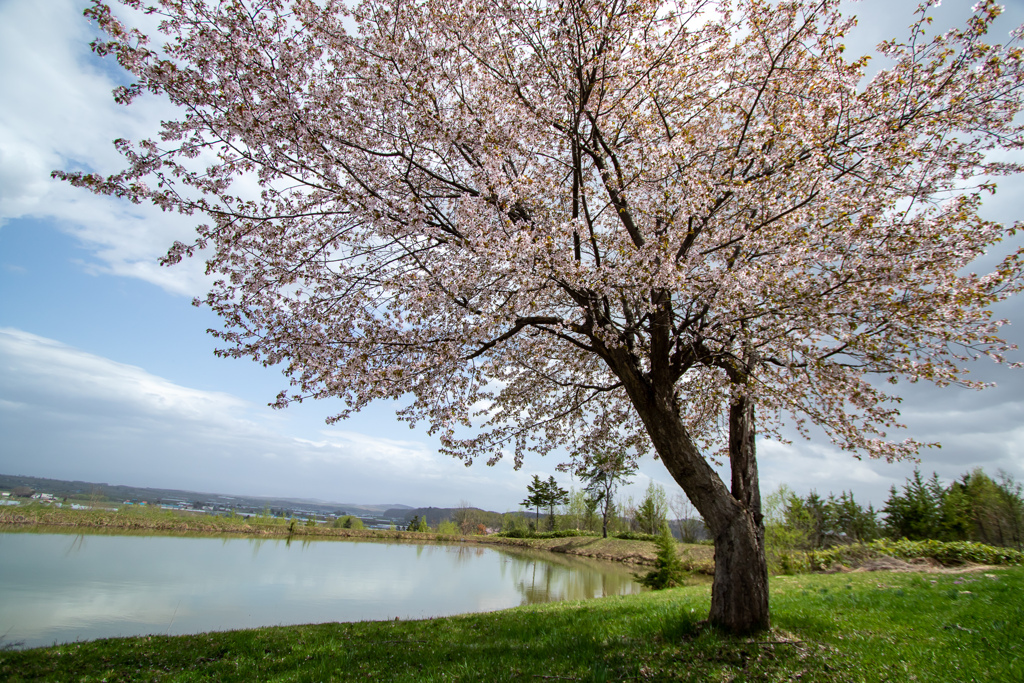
[840, 627]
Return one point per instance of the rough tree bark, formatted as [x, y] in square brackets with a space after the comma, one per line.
[739, 596]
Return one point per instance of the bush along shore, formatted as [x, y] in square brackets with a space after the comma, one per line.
[826, 628]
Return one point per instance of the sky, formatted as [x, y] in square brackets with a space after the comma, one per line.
[107, 373]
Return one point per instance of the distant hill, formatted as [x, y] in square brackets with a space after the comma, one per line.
[436, 515]
[119, 492]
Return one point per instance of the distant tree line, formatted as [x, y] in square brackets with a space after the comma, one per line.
[594, 507]
[974, 507]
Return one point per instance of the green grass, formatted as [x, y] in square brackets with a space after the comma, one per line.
[927, 627]
[840, 627]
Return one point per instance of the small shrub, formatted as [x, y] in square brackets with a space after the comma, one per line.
[348, 522]
[788, 563]
[512, 522]
[849, 555]
[448, 528]
[948, 553]
[668, 569]
[561, 533]
[636, 536]
[564, 533]
[517, 533]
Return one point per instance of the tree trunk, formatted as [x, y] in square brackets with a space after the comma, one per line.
[739, 595]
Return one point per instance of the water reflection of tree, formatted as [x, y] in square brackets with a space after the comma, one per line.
[464, 553]
[563, 578]
[536, 575]
[77, 543]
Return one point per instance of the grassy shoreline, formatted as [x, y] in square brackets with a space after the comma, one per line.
[698, 558]
[838, 627]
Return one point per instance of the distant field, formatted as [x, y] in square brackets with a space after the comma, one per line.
[833, 628]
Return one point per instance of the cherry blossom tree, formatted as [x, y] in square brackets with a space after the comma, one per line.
[579, 225]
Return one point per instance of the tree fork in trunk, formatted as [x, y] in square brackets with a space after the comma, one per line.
[739, 596]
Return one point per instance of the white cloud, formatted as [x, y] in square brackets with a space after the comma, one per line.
[48, 367]
[69, 414]
[343, 446]
[58, 114]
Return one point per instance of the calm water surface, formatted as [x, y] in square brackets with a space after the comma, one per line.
[64, 587]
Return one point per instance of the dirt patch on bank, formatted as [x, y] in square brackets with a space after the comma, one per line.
[697, 558]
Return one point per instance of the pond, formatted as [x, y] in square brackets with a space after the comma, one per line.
[57, 587]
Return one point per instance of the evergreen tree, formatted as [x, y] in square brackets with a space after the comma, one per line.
[848, 522]
[996, 509]
[817, 510]
[668, 570]
[804, 517]
[653, 509]
[553, 495]
[538, 496]
[814, 522]
[916, 512]
[1012, 502]
[955, 513]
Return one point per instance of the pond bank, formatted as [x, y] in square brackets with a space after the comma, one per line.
[698, 558]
